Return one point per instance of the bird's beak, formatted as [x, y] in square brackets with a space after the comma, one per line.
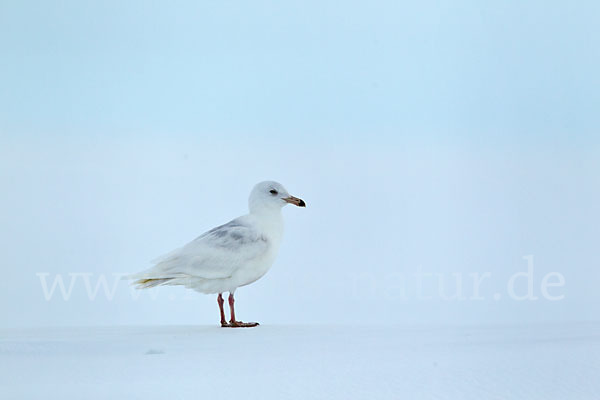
[295, 201]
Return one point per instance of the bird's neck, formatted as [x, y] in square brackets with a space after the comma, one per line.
[269, 219]
[265, 212]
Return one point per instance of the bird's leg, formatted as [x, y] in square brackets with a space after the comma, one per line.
[233, 323]
[221, 302]
[231, 308]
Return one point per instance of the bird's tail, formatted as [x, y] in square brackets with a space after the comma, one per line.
[150, 282]
[150, 279]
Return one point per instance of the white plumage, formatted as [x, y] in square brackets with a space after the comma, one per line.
[231, 255]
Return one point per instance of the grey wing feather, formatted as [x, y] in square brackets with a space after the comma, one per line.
[214, 254]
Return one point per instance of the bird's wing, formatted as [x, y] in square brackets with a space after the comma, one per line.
[215, 254]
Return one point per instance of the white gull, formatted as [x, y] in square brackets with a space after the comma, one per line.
[229, 256]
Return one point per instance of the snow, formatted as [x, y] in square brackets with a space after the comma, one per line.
[553, 361]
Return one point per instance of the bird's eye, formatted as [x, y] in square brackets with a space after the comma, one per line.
[273, 192]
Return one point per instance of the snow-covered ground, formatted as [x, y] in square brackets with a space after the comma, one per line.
[302, 362]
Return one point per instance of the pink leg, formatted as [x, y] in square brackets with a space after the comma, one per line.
[233, 323]
[221, 302]
[232, 308]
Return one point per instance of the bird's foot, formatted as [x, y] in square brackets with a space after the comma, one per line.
[238, 324]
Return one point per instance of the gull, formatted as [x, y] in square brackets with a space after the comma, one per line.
[229, 256]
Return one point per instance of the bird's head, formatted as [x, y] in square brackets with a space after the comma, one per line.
[269, 195]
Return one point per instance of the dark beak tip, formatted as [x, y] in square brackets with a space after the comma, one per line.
[301, 203]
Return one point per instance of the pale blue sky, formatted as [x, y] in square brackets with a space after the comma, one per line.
[449, 136]
[463, 69]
